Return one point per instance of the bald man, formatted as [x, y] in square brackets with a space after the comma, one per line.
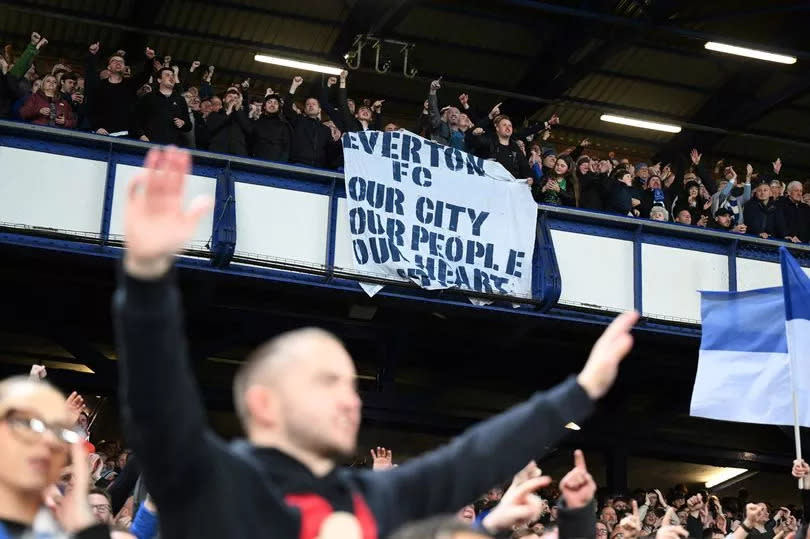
[36, 438]
[298, 403]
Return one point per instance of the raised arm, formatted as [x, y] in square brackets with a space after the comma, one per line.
[433, 104]
[160, 404]
[452, 476]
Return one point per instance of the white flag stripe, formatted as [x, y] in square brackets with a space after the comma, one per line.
[749, 387]
[798, 338]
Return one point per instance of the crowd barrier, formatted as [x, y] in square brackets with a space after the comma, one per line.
[65, 190]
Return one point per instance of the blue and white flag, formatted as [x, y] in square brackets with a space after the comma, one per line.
[745, 372]
[796, 285]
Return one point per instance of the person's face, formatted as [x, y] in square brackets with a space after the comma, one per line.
[318, 407]
[205, 107]
[167, 79]
[728, 173]
[36, 86]
[584, 167]
[609, 516]
[231, 96]
[795, 193]
[724, 220]
[643, 173]
[194, 104]
[68, 85]
[49, 84]
[620, 506]
[560, 167]
[271, 106]
[689, 177]
[763, 192]
[682, 516]
[100, 506]
[30, 461]
[693, 192]
[464, 121]
[216, 104]
[654, 183]
[504, 128]
[312, 108]
[549, 161]
[453, 115]
[658, 216]
[467, 514]
[390, 127]
[522, 146]
[83, 422]
[684, 217]
[763, 516]
[777, 190]
[116, 65]
[352, 105]
[364, 113]
[601, 531]
[495, 494]
[627, 178]
[122, 460]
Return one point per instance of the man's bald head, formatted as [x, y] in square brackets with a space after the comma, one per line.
[18, 390]
[298, 393]
[268, 362]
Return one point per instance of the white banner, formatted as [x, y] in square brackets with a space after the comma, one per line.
[440, 217]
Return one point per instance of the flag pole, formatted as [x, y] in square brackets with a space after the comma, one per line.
[797, 434]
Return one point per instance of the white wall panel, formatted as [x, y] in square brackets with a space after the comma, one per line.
[596, 271]
[671, 279]
[55, 191]
[281, 223]
[753, 274]
[195, 185]
[344, 258]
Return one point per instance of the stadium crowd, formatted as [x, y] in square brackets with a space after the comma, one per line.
[142, 96]
[101, 493]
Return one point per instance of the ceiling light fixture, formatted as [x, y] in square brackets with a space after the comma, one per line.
[750, 53]
[297, 64]
[572, 426]
[724, 474]
[644, 124]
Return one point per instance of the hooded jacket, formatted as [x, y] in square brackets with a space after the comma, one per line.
[215, 489]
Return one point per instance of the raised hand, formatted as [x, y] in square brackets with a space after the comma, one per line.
[94, 48]
[383, 459]
[41, 43]
[777, 165]
[38, 372]
[554, 120]
[695, 504]
[496, 111]
[464, 100]
[344, 75]
[194, 65]
[297, 81]
[150, 53]
[377, 105]
[603, 364]
[75, 404]
[800, 468]
[578, 487]
[667, 530]
[661, 499]
[519, 505]
[331, 81]
[435, 85]
[156, 225]
[695, 156]
[72, 511]
[631, 524]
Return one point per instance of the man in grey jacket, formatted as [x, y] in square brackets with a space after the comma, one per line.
[732, 196]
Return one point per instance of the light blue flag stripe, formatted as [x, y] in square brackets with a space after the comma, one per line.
[752, 321]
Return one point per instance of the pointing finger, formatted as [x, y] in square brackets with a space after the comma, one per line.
[579, 459]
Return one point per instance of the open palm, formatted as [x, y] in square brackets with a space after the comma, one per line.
[156, 225]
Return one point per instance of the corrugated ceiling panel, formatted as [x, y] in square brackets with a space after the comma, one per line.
[653, 63]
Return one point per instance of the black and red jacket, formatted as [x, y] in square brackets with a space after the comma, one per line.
[205, 487]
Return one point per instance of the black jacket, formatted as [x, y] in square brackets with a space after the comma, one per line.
[509, 155]
[155, 118]
[228, 133]
[271, 138]
[795, 218]
[593, 191]
[197, 136]
[350, 123]
[214, 489]
[621, 199]
[761, 218]
[312, 142]
[110, 106]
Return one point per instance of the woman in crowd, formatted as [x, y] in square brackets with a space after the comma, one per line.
[558, 187]
[48, 107]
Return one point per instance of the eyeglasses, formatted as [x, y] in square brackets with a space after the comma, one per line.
[101, 508]
[31, 429]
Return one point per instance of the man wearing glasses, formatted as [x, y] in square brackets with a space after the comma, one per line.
[37, 439]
